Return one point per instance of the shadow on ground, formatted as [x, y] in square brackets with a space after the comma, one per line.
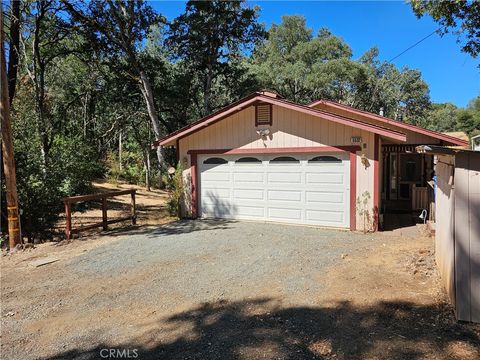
[261, 329]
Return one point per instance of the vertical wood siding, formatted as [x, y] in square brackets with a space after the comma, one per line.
[444, 226]
[467, 236]
[289, 129]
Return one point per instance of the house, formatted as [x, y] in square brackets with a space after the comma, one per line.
[325, 164]
[457, 235]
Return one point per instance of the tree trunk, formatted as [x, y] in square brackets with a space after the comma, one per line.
[13, 215]
[120, 149]
[147, 93]
[14, 48]
[146, 160]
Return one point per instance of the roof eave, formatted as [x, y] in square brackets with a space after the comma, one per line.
[431, 133]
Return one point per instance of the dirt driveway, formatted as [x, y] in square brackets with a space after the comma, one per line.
[230, 290]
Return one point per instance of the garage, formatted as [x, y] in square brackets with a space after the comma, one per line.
[310, 188]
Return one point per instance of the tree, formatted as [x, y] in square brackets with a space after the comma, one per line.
[210, 37]
[116, 30]
[304, 68]
[463, 17]
[48, 38]
[299, 66]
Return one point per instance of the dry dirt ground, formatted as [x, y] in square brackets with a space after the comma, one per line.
[150, 206]
[230, 290]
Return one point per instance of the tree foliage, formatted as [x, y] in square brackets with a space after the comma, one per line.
[303, 67]
[462, 17]
[210, 37]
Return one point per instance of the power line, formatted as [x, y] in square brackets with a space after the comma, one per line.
[412, 46]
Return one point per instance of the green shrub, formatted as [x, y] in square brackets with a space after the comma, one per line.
[175, 188]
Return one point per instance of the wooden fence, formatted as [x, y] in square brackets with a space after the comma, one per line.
[102, 197]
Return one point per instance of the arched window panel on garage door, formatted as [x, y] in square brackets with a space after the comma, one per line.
[284, 160]
[324, 159]
[248, 160]
[215, 161]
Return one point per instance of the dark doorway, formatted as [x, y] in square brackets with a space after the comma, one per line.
[406, 186]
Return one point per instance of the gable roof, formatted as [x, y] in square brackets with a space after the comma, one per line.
[435, 134]
[262, 97]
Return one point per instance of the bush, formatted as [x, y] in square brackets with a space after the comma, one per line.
[175, 188]
[70, 169]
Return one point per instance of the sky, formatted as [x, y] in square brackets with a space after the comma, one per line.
[453, 76]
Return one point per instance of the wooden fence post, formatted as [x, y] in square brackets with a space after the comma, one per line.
[104, 213]
[68, 215]
[134, 210]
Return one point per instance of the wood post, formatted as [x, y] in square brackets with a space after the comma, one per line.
[13, 215]
[102, 197]
[68, 220]
[134, 210]
[104, 214]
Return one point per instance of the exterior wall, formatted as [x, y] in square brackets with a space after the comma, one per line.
[444, 226]
[289, 129]
[412, 137]
[457, 235]
[467, 236]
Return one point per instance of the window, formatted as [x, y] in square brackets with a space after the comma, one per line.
[321, 159]
[248, 160]
[284, 159]
[263, 114]
[215, 160]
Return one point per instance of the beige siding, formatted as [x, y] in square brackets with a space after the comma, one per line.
[412, 137]
[289, 129]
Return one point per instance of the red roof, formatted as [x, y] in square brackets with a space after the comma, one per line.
[435, 134]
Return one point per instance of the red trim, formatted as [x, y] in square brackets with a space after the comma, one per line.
[417, 129]
[249, 100]
[353, 169]
[270, 122]
[353, 191]
[177, 151]
[194, 179]
[277, 150]
[376, 182]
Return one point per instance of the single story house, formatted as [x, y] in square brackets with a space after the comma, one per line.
[325, 164]
[457, 232]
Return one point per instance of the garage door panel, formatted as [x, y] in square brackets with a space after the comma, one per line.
[250, 194]
[324, 197]
[215, 176]
[248, 177]
[279, 177]
[324, 178]
[325, 216]
[285, 214]
[242, 211]
[217, 191]
[284, 195]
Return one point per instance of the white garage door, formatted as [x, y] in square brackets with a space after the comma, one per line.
[300, 188]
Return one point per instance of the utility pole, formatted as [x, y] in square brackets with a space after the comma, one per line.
[14, 233]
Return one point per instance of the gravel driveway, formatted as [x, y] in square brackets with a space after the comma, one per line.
[208, 260]
[197, 289]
